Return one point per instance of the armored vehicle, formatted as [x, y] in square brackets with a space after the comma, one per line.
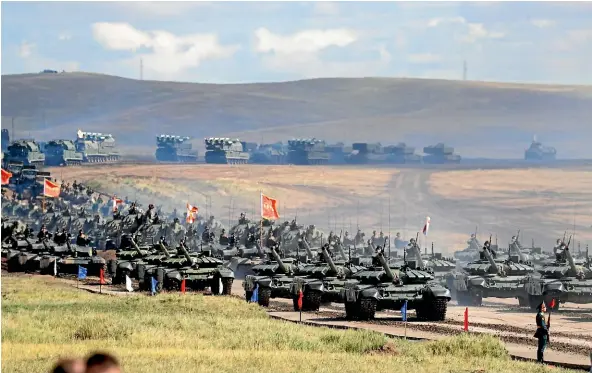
[175, 149]
[322, 281]
[26, 152]
[225, 150]
[538, 152]
[401, 154]
[307, 152]
[338, 152]
[440, 154]
[96, 147]
[440, 265]
[5, 139]
[270, 154]
[83, 256]
[271, 278]
[563, 280]
[28, 182]
[380, 287]
[365, 153]
[489, 277]
[62, 153]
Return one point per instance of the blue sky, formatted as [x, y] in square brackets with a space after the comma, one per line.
[235, 42]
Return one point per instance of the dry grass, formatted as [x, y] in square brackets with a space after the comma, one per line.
[43, 319]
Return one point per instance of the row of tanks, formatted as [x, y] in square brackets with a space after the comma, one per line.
[317, 152]
[88, 147]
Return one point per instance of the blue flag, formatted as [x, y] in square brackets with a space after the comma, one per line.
[255, 296]
[153, 285]
[81, 272]
[404, 311]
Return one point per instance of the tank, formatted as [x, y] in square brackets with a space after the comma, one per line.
[5, 139]
[225, 150]
[26, 152]
[270, 154]
[62, 153]
[96, 147]
[380, 287]
[440, 154]
[490, 277]
[538, 152]
[366, 153]
[401, 154]
[175, 149]
[338, 152]
[563, 280]
[307, 152]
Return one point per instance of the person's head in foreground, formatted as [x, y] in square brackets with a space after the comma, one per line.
[102, 363]
[542, 307]
[69, 366]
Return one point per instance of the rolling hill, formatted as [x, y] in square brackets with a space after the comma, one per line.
[478, 118]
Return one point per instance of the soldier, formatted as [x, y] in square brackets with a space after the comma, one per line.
[150, 213]
[242, 219]
[558, 248]
[224, 239]
[27, 232]
[43, 233]
[293, 224]
[82, 239]
[75, 185]
[542, 332]
[205, 236]
[271, 241]
[116, 214]
[133, 210]
[61, 237]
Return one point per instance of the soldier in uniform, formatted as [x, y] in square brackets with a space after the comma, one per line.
[542, 332]
[27, 232]
[150, 213]
[61, 237]
[43, 233]
[133, 209]
[224, 239]
[242, 219]
[116, 214]
[82, 239]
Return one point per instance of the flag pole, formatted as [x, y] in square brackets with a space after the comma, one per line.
[405, 326]
[261, 221]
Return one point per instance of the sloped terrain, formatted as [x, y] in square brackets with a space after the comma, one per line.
[485, 118]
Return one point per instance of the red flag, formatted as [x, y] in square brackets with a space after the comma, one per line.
[102, 276]
[183, 286]
[191, 213]
[6, 175]
[269, 208]
[51, 189]
[466, 326]
[552, 304]
[300, 296]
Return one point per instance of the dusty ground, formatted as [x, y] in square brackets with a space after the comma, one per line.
[542, 203]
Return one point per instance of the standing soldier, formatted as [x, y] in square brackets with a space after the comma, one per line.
[542, 332]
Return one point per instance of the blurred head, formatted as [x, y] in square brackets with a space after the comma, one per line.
[69, 366]
[542, 307]
[102, 363]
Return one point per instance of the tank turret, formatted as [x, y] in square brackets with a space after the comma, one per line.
[62, 152]
[172, 148]
[279, 261]
[225, 150]
[96, 147]
[439, 154]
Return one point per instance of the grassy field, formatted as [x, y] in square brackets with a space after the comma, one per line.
[43, 319]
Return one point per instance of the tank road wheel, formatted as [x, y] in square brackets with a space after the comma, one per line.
[264, 296]
[13, 265]
[112, 267]
[215, 285]
[141, 269]
[172, 284]
[433, 310]
[46, 266]
[351, 310]
[367, 309]
[248, 295]
[311, 301]
[227, 286]
[160, 279]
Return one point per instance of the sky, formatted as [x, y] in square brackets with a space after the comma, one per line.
[239, 42]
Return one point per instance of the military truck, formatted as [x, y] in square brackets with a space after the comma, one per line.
[5, 139]
[270, 154]
[26, 152]
[62, 153]
[96, 147]
[440, 154]
[380, 287]
[172, 148]
[307, 152]
[538, 152]
[225, 151]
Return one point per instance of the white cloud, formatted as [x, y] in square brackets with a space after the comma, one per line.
[326, 8]
[308, 41]
[423, 58]
[472, 31]
[171, 54]
[542, 23]
[26, 49]
[64, 36]
[435, 22]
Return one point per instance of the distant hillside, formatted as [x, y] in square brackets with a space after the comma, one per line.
[478, 118]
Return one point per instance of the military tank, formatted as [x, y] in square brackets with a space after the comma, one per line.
[307, 152]
[175, 149]
[380, 287]
[563, 280]
[440, 154]
[440, 265]
[270, 154]
[538, 152]
[225, 150]
[96, 147]
[25, 152]
[489, 277]
[401, 153]
[62, 153]
[367, 153]
[271, 278]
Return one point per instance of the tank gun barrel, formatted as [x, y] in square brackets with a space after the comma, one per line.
[306, 247]
[490, 258]
[277, 258]
[163, 249]
[570, 260]
[329, 260]
[135, 246]
[385, 266]
[185, 252]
